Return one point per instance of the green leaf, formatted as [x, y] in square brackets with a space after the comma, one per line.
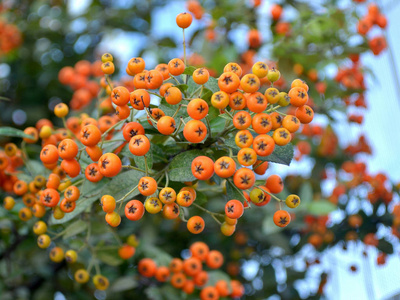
[321, 207]
[140, 162]
[215, 276]
[109, 257]
[13, 132]
[180, 166]
[189, 70]
[123, 284]
[192, 86]
[182, 87]
[161, 257]
[385, 246]
[281, 155]
[233, 192]
[212, 85]
[167, 42]
[201, 199]
[306, 193]
[123, 183]
[217, 125]
[75, 228]
[90, 192]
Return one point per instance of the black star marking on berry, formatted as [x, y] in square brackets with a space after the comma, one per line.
[199, 169]
[301, 94]
[198, 226]
[242, 120]
[136, 101]
[234, 68]
[263, 66]
[175, 209]
[69, 193]
[245, 179]
[62, 148]
[273, 93]
[243, 138]
[260, 100]
[142, 78]
[68, 205]
[261, 197]
[172, 125]
[86, 134]
[251, 81]
[149, 78]
[47, 198]
[138, 141]
[230, 208]
[264, 122]
[261, 145]
[154, 202]
[218, 97]
[132, 209]
[144, 185]
[201, 108]
[45, 150]
[92, 171]
[200, 71]
[176, 64]
[283, 134]
[308, 111]
[237, 101]
[136, 60]
[104, 164]
[187, 197]
[295, 200]
[282, 220]
[199, 131]
[294, 120]
[247, 157]
[167, 195]
[227, 79]
[116, 95]
[163, 69]
[224, 165]
[107, 64]
[133, 132]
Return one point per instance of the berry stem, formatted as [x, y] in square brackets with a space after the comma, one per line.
[209, 128]
[184, 46]
[166, 179]
[177, 110]
[216, 220]
[127, 194]
[208, 211]
[272, 195]
[145, 165]
[133, 168]
[108, 81]
[155, 94]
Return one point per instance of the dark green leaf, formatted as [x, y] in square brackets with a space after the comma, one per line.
[212, 85]
[109, 257]
[123, 284]
[385, 246]
[180, 167]
[75, 228]
[9, 131]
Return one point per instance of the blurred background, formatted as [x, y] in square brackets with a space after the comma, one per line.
[343, 243]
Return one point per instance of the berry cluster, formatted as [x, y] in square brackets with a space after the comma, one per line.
[190, 273]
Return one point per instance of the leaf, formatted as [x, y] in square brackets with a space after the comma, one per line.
[385, 246]
[321, 207]
[201, 199]
[140, 161]
[217, 125]
[182, 87]
[75, 228]
[233, 192]
[123, 284]
[109, 257]
[167, 42]
[189, 70]
[123, 183]
[180, 166]
[90, 192]
[215, 276]
[192, 86]
[268, 225]
[212, 85]
[9, 131]
[306, 193]
[161, 257]
[281, 155]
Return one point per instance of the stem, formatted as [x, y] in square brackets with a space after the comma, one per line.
[236, 188]
[166, 179]
[176, 80]
[177, 129]
[108, 81]
[208, 211]
[177, 110]
[155, 94]
[184, 46]
[216, 220]
[201, 90]
[133, 168]
[272, 195]
[127, 194]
